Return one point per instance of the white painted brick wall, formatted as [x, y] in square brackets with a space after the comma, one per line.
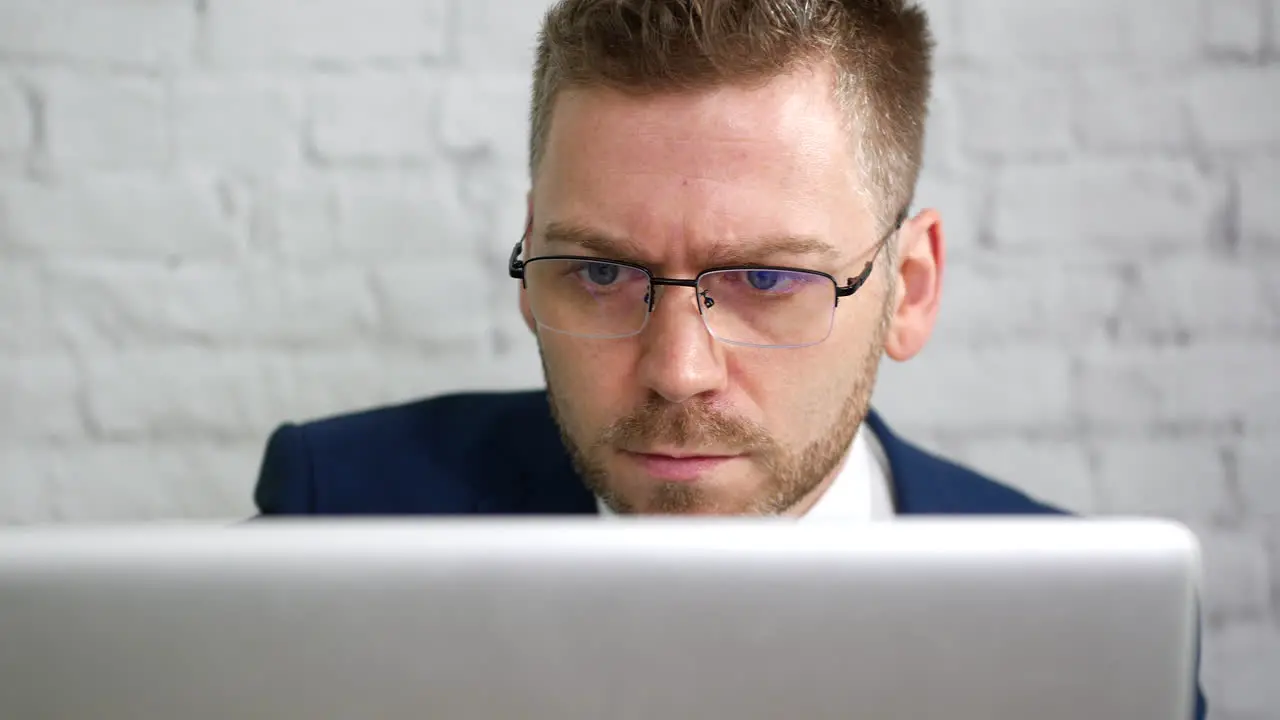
[384, 117]
[219, 214]
[119, 215]
[1259, 483]
[1137, 110]
[105, 122]
[1240, 661]
[1273, 44]
[1024, 113]
[1235, 28]
[15, 120]
[252, 123]
[289, 32]
[1186, 481]
[1259, 211]
[1106, 205]
[1235, 110]
[130, 33]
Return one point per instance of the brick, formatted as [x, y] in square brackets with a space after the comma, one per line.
[1235, 27]
[24, 323]
[1274, 31]
[1201, 297]
[1016, 113]
[126, 32]
[1122, 110]
[24, 496]
[194, 394]
[370, 217]
[318, 384]
[39, 397]
[391, 119]
[1246, 662]
[122, 482]
[251, 33]
[1073, 304]
[406, 216]
[373, 216]
[295, 216]
[1237, 576]
[994, 29]
[105, 303]
[1258, 472]
[498, 34]
[1109, 207]
[1071, 31]
[106, 122]
[128, 216]
[1259, 211]
[15, 120]
[943, 139]
[512, 339]
[1053, 471]
[1164, 31]
[444, 304]
[945, 22]
[1183, 479]
[1213, 383]
[486, 114]
[237, 125]
[495, 194]
[1235, 110]
[181, 393]
[959, 198]
[978, 390]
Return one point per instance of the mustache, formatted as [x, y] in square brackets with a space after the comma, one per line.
[659, 422]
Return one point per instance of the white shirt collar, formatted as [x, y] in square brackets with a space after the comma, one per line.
[861, 491]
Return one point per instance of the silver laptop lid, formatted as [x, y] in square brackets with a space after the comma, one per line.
[577, 619]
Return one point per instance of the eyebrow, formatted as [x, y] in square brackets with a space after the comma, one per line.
[721, 254]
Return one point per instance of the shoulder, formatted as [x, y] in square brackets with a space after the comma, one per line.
[450, 422]
[424, 456]
[926, 484]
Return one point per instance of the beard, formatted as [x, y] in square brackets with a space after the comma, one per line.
[789, 474]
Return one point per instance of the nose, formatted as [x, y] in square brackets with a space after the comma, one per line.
[680, 360]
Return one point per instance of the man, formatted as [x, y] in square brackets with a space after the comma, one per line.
[718, 252]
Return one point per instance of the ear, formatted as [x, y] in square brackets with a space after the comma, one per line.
[921, 258]
[524, 295]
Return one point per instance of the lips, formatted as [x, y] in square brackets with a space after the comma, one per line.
[675, 466]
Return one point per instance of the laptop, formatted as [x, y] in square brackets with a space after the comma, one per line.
[542, 619]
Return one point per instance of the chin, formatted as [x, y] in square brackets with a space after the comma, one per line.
[704, 497]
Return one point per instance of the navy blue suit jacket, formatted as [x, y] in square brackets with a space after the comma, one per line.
[500, 453]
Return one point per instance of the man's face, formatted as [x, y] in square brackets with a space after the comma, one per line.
[671, 420]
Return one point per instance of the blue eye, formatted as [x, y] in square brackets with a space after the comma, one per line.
[764, 279]
[602, 273]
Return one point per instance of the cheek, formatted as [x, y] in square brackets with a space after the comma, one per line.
[592, 379]
[785, 389]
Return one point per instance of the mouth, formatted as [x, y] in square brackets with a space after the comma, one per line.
[676, 465]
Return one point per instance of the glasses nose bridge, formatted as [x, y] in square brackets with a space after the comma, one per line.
[657, 282]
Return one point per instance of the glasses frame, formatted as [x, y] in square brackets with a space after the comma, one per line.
[516, 269]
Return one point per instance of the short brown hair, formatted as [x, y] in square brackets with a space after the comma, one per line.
[881, 51]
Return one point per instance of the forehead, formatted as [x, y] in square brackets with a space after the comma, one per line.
[681, 170]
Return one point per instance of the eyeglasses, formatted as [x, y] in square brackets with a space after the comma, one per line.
[749, 305]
